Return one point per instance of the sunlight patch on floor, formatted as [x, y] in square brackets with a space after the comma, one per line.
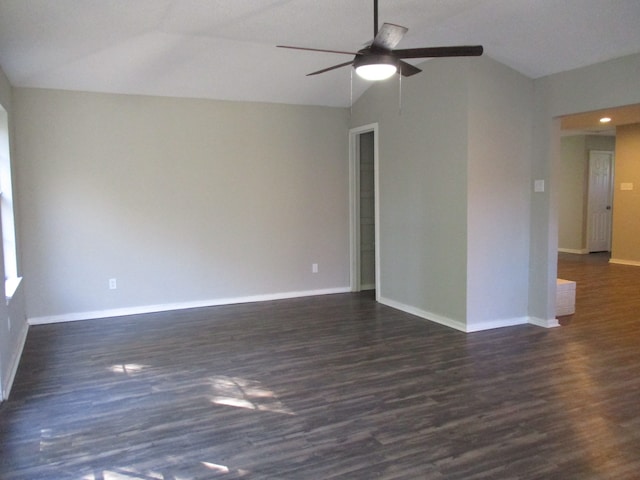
[127, 368]
[129, 474]
[215, 467]
[224, 469]
[242, 393]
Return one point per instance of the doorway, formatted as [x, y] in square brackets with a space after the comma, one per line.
[588, 123]
[600, 201]
[364, 223]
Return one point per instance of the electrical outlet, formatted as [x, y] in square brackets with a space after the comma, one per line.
[112, 284]
[314, 268]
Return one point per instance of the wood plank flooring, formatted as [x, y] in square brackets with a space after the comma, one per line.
[332, 387]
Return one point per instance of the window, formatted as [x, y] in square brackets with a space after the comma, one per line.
[6, 206]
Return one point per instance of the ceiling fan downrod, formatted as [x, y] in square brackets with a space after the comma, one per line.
[375, 18]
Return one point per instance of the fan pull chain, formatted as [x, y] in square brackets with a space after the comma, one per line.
[351, 95]
[400, 94]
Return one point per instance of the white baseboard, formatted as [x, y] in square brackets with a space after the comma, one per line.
[433, 317]
[551, 323]
[121, 312]
[447, 322]
[624, 262]
[505, 322]
[582, 251]
[371, 286]
[15, 361]
[476, 327]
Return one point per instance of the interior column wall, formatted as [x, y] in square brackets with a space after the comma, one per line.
[499, 195]
[607, 84]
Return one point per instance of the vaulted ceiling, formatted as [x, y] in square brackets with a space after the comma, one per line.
[225, 49]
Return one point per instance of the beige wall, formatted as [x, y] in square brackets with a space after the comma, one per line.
[626, 203]
[499, 195]
[423, 189]
[158, 192]
[184, 202]
[454, 191]
[572, 192]
[422, 255]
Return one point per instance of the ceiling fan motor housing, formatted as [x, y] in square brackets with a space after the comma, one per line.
[375, 59]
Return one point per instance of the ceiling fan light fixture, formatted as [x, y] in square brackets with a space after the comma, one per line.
[380, 59]
[375, 67]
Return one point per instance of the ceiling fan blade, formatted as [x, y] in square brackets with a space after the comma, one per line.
[330, 68]
[316, 50]
[454, 51]
[406, 69]
[389, 36]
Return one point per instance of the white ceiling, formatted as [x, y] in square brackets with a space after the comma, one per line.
[225, 49]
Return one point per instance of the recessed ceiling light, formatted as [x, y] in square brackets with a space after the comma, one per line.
[605, 120]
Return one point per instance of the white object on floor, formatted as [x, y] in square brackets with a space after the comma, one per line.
[565, 297]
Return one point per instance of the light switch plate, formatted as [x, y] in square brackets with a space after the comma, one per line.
[626, 186]
[538, 186]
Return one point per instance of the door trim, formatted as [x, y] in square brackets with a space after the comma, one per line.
[354, 205]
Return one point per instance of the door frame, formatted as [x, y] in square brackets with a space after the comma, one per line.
[354, 205]
[610, 199]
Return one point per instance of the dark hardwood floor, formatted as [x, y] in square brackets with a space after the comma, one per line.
[333, 387]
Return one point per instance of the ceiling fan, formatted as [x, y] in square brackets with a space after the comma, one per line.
[378, 60]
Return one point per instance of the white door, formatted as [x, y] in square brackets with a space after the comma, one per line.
[600, 201]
